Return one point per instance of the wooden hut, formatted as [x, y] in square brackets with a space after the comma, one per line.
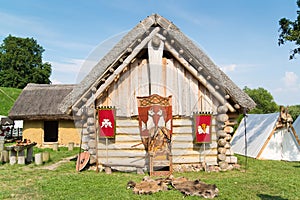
[155, 70]
[43, 122]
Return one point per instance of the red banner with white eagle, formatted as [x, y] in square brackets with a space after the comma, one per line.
[202, 128]
[106, 119]
[155, 119]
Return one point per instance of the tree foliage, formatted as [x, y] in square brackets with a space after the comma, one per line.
[290, 32]
[264, 101]
[294, 111]
[21, 63]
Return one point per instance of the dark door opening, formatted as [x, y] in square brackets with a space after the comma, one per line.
[50, 131]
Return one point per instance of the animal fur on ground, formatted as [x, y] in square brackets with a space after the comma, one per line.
[182, 184]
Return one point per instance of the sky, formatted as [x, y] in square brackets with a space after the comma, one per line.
[241, 37]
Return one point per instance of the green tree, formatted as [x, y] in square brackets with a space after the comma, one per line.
[290, 32]
[264, 101]
[294, 111]
[21, 63]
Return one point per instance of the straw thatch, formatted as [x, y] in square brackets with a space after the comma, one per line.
[197, 58]
[40, 102]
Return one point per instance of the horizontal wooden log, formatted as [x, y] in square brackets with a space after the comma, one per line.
[210, 160]
[231, 159]
[120, 153]
[180, 152]
[221, 133]
[229, 152]
[228, 137]
[228, 129]
[182, 122]
[185, 144]
[122, 162]
[90, 121]
[175, 145]
[222, 150]
[127, 122]
[223, 165]
[222, 142]
[222, 109]
[227, 145]
[221, 157]
[222, 117]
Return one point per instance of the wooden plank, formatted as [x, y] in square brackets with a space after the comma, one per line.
[143, 79]
[122, 161]
[182, 130]
[187, 152]
[127, 122]
[117, 72]
[128, 130]
[197, 75]
[124, 145]
[185, 144]
[211, 160]
[182, 122]
[121, 153]
[186, 137]
[134, 75]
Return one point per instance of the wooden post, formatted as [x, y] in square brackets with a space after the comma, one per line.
[38, 159]
[4, 156]
[29, 154]
[70, 146]
[45, 156]
[21, 157]
[13, 157]
[55, 146]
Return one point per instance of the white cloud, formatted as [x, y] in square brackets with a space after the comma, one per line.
[70, 70]
[229, 68]
[290, 79]
[23, 26]
[68, 65]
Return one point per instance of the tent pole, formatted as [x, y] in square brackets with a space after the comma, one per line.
[265, 144]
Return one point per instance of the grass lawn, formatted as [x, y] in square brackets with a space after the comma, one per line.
[7, 99]
[262, 180]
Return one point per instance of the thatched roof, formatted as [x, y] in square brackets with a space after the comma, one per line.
[40, 102]
[196, 57]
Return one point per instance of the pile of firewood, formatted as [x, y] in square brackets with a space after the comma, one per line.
[184, 185]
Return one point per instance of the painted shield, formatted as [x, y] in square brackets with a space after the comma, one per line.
[155, 113]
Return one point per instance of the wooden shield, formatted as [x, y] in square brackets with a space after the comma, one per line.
[155, 113]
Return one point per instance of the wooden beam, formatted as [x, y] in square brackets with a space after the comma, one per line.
[266, 143]
[112, 77]
[198, 76]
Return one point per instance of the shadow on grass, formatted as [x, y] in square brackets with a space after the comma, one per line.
[297, 166]
[270, 197]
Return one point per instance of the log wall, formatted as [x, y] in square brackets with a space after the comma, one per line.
[188, 94]
[119, 151]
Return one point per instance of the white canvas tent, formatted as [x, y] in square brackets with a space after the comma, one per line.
[265, 140]
[296, 126]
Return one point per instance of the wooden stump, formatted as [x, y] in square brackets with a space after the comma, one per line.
[4, 156]
[70, 146]
[46, 156]
[13, 157]
[38, 158]
[55, 146]
[21, 157]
